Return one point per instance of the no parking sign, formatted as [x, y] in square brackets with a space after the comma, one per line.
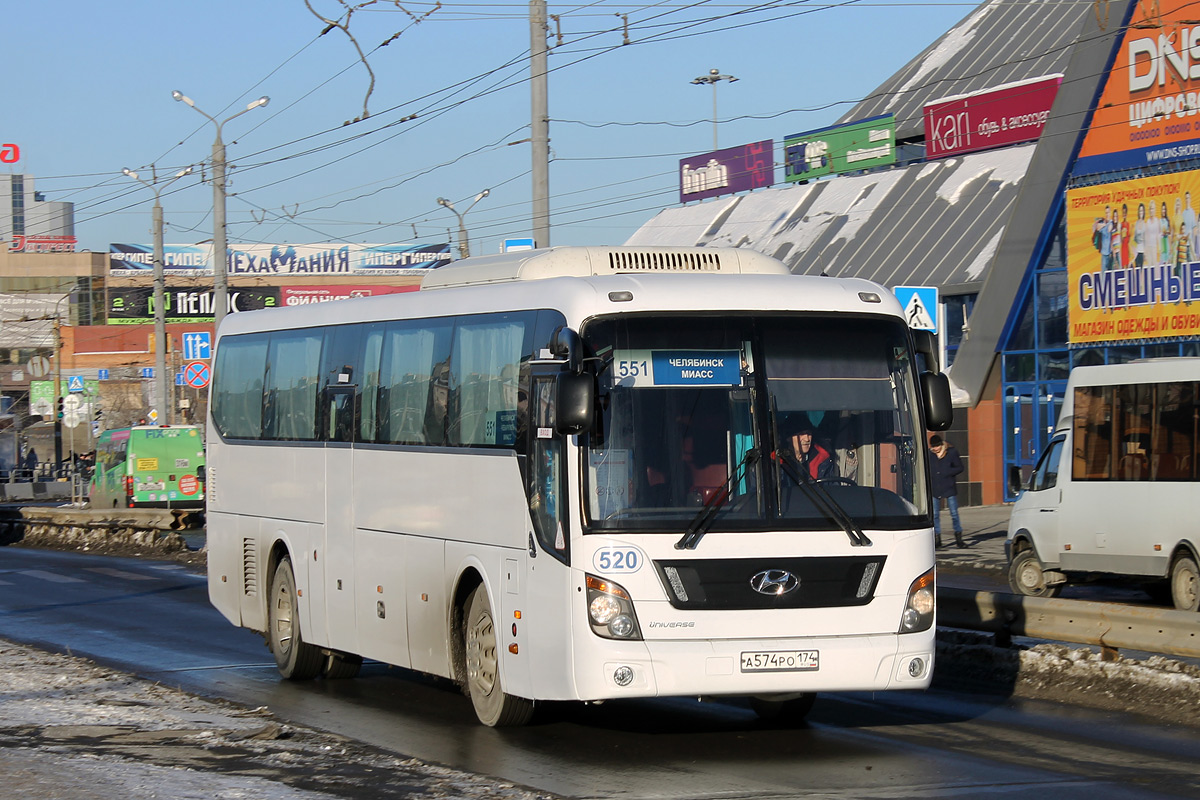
[196, 374]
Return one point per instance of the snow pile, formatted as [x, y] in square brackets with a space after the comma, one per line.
[69, 728]
[1164, 688]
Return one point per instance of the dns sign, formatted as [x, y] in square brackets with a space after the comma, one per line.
[10, 153]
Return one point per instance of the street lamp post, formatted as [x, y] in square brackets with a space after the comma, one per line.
[713, 77]
[464, 247]
[160, 325]
[220, 280]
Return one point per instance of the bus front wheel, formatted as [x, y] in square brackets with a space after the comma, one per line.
[783, 709]
[1026, 576]
[296, 659]
[493, 706]
[1185, 584]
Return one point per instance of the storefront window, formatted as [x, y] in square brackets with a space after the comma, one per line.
[1053, 366]
[1019, 367]
[1052, 309]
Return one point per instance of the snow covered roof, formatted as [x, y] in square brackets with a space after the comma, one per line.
[935, 223]
[1000, 42]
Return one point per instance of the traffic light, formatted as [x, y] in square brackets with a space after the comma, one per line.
[60, 409]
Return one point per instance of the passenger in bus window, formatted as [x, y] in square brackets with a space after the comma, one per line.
[437, 411]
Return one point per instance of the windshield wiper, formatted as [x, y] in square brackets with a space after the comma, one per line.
[705, 517]
[824, 501]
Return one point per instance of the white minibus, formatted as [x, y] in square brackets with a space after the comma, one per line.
[584, 473]
[1116, 491]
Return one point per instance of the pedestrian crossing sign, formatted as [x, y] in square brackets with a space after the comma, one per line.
[920, 306]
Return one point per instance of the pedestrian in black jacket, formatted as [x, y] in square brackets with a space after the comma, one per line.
[944, 467]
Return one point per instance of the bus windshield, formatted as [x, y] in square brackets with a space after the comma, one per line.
[766, 422]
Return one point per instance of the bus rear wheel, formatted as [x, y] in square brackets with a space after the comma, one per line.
[1185, 584]
[296, 659]
[340, 666]
[1025, 576]
[493, 706]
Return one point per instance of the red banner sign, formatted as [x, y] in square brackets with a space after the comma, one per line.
[304, 295]
[42, 244]
[1008, 114]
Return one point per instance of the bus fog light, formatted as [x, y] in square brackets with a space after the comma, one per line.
[623, 676]
[603, 609]
[622, 626]
[916, 667]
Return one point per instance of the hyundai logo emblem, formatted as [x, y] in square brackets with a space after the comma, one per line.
[774, 581]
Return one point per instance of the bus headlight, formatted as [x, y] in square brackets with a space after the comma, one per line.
[918, 611]
[610, 610]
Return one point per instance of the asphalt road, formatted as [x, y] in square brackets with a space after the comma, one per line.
[153, 619]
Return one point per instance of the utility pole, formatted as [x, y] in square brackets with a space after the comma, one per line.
[539, 123]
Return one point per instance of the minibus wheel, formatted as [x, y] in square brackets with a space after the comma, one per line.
[493, 706]
[340, 666]
[1025, 576]
[296, 659]
[1185, 584]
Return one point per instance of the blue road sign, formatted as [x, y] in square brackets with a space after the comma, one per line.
[920, 306]
[75, 383]
[197, 346]
[517, 244]
[147, 372]
[179, 379]
[196, 375]
[102, 374]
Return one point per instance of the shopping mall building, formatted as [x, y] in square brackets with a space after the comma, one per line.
[1043, 175]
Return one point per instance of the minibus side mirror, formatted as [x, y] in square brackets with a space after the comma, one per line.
[1014, 480]
[565, 343]
[925, 343]
[935, 393]
[574, 402]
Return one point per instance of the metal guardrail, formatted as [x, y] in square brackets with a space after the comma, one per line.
[1113, 626]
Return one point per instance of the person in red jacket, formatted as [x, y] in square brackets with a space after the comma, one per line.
[810, 456]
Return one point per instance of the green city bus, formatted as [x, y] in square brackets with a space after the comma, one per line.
[149, 466]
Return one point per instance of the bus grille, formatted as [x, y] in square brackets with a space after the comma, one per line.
[727, 584]
[655, 261]
[249, 568]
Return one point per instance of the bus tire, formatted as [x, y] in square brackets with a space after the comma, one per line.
[783, 710]
[1185, 584]
[338, 666]
[1025, 576]
[296, 659]
[492, 705]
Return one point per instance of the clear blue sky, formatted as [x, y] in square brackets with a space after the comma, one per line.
[88, 91]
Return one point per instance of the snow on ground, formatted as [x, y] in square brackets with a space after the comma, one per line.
[72, 730]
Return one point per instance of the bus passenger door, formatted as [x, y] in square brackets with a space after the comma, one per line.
[548, 574]
[338, 422]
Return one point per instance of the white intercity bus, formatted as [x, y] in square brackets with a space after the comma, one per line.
[582, 474]
[1117, 490]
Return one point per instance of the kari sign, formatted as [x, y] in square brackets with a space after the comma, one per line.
[840, 148]
[734, 169]
[1133, 259]
[1149, 111]
[284, 260]
[1008, 114]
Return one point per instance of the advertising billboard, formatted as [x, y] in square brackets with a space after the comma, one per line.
[285, 260]
[304, 295]
[135, 306]
[734, 169]
[853, 146]
[1149, 111]
[1004, 115]
[1133, 259]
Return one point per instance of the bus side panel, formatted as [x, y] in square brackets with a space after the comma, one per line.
[226, 583]
[381, 608]
[278, 481]
[429, 636]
